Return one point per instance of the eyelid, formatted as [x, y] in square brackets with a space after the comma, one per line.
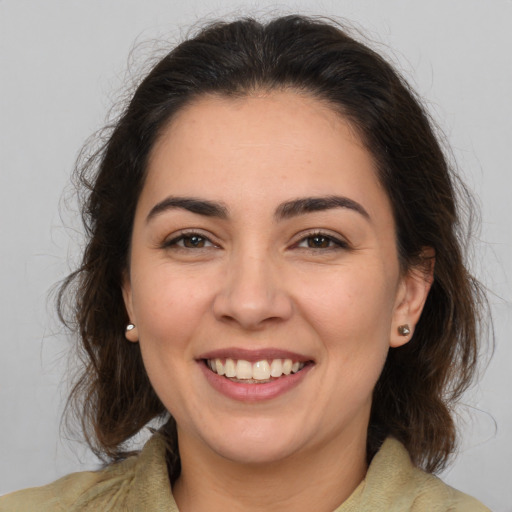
[339, 241]
[173, 239]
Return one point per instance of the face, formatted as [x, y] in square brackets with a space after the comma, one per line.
[264, 281]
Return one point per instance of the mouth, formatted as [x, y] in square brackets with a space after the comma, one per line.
[257, 375]
[259, 372]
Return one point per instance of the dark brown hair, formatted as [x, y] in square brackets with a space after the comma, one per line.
[421, 380]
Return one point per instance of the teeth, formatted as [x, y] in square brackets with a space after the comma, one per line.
[243, 369]
[230, 368]
[287, 366]
[220, 367]
[261, 370]
[276, 368]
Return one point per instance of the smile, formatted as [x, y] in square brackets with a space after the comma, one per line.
[255, 375]
[241, 370]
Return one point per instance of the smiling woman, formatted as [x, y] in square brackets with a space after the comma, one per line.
[273, 227]
[310, 285]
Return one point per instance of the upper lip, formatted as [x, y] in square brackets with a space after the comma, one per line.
[254, 355]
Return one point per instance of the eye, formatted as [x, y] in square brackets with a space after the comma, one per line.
[321, 241]
[189, 241]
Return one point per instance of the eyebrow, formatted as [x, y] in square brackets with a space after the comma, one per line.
[285, 210]
[192, 204]
[317, 204]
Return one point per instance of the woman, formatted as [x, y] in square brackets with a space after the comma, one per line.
[274, 270]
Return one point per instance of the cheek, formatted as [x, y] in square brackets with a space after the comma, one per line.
[168, 307]
[351, 311]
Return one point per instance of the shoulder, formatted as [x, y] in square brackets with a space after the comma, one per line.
[428, 490]
[120, 486]
[72, 492]
[393, 483]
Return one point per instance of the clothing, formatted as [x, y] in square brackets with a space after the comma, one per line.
[140, 483]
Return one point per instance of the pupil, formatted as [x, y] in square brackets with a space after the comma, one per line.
[319, 241]
[194, 241]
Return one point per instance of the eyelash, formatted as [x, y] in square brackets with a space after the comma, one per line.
[182, 237]
[333, 242]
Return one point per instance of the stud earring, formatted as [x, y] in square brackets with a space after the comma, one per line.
[130, 327]
[404, 330]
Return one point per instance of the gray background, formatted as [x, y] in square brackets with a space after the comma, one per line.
[63, 64]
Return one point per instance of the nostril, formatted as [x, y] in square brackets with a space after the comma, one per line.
[252, 309]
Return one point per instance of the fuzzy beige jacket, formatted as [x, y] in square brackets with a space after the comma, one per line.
[140, 484]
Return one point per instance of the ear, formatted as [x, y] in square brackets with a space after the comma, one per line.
[412, 293]
[132, 334]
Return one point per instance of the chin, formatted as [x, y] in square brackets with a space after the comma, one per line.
[249, 453]
[254, 445]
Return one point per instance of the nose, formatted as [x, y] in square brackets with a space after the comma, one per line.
[253, 295]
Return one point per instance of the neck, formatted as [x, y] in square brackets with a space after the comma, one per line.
[319, 480]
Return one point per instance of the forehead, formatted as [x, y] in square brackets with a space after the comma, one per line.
[269, 146]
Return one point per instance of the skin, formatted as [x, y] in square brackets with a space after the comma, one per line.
[255, 281]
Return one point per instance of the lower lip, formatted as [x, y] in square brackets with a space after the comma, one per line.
[254, 392]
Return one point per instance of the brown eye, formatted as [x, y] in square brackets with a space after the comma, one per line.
[189, 241]
[193, 241]
[318, 242]
[322, 241]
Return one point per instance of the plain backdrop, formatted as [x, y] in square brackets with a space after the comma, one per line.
[63, 64]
